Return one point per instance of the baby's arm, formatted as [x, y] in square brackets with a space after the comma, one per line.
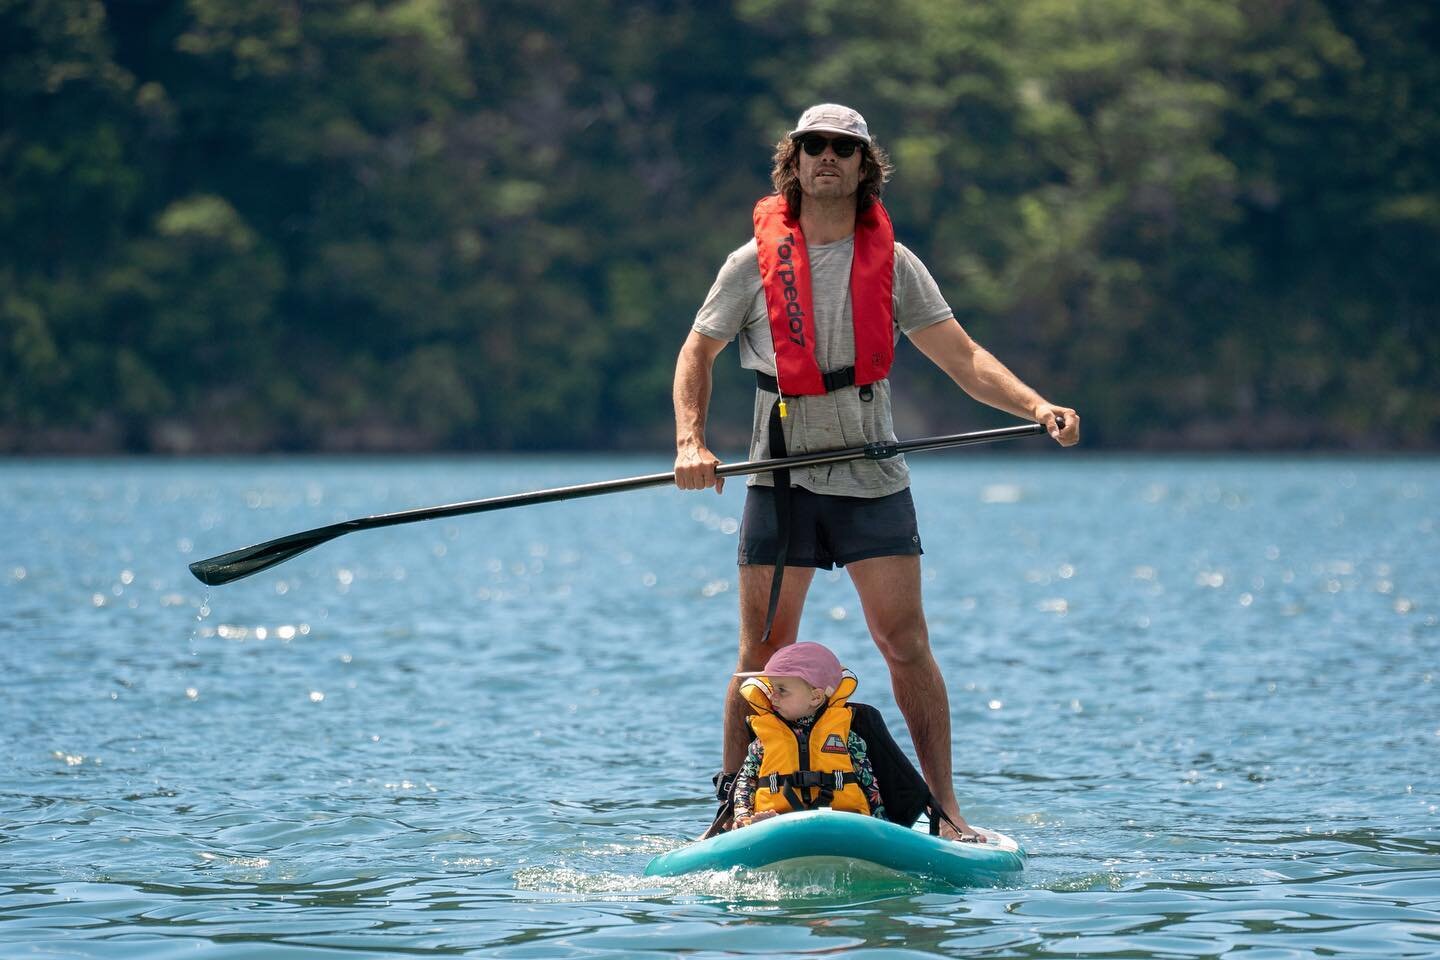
[860, 758]
[745, 783]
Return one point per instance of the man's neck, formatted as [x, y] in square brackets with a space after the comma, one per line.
[827, 221]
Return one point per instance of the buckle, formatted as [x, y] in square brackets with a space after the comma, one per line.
[724, 784]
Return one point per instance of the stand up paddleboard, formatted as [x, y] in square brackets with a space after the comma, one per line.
[827, 835]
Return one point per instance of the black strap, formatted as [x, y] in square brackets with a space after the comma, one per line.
[834, 380]
[782, 518]
[811, 778]
[799, 777]
[725, 793]
[796, 787]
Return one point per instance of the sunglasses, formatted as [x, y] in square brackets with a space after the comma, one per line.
[844, 147]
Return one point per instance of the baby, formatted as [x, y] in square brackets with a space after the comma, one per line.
[800, 701]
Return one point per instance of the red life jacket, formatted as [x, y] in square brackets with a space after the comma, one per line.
[785, 276]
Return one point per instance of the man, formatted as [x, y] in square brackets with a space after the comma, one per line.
[822, 274]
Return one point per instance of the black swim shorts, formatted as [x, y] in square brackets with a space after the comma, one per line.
[827, 531]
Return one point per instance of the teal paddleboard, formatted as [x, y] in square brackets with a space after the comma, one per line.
[828, 835]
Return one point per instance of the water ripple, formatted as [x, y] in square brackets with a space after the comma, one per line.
[1201, 693]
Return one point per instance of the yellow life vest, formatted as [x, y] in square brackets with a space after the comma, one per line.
[824, 775]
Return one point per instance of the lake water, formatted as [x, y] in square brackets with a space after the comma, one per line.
[1201, 692]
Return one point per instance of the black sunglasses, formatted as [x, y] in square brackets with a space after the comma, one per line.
[844, 147]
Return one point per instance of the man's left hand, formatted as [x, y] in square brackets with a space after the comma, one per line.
[1052, 417]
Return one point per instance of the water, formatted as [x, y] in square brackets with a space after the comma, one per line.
[1201, 692]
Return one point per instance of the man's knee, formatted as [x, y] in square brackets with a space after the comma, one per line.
[902, 640]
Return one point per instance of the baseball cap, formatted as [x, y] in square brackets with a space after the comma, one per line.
[811, 662]
[831, 118]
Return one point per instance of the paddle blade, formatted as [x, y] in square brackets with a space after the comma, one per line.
[247, 560]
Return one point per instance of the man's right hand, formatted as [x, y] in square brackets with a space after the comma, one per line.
[695, 468]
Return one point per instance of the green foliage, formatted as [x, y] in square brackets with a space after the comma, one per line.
[410, 224]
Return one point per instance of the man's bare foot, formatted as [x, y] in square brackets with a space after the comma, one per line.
[964, 834]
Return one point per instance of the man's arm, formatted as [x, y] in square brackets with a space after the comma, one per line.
[988, 380]
[694, 463]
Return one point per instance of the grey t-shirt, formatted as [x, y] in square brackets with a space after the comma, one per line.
[735, 307]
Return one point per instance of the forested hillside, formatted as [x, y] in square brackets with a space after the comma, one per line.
[451, 225]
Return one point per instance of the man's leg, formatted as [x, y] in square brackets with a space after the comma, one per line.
[889, 589]
[755, 580]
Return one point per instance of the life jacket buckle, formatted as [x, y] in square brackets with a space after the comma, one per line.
[839, 781]
[866, 394]
[774, 783]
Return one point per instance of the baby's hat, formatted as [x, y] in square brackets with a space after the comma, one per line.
[811, 662]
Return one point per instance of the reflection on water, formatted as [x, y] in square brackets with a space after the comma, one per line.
[1201, 692]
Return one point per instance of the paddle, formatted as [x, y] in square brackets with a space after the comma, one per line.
[248, 560]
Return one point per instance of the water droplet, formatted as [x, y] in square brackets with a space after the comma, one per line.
[316, 696]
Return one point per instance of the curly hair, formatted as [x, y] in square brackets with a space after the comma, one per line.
[875, 170]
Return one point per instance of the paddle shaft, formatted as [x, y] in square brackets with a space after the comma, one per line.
[250, 560]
